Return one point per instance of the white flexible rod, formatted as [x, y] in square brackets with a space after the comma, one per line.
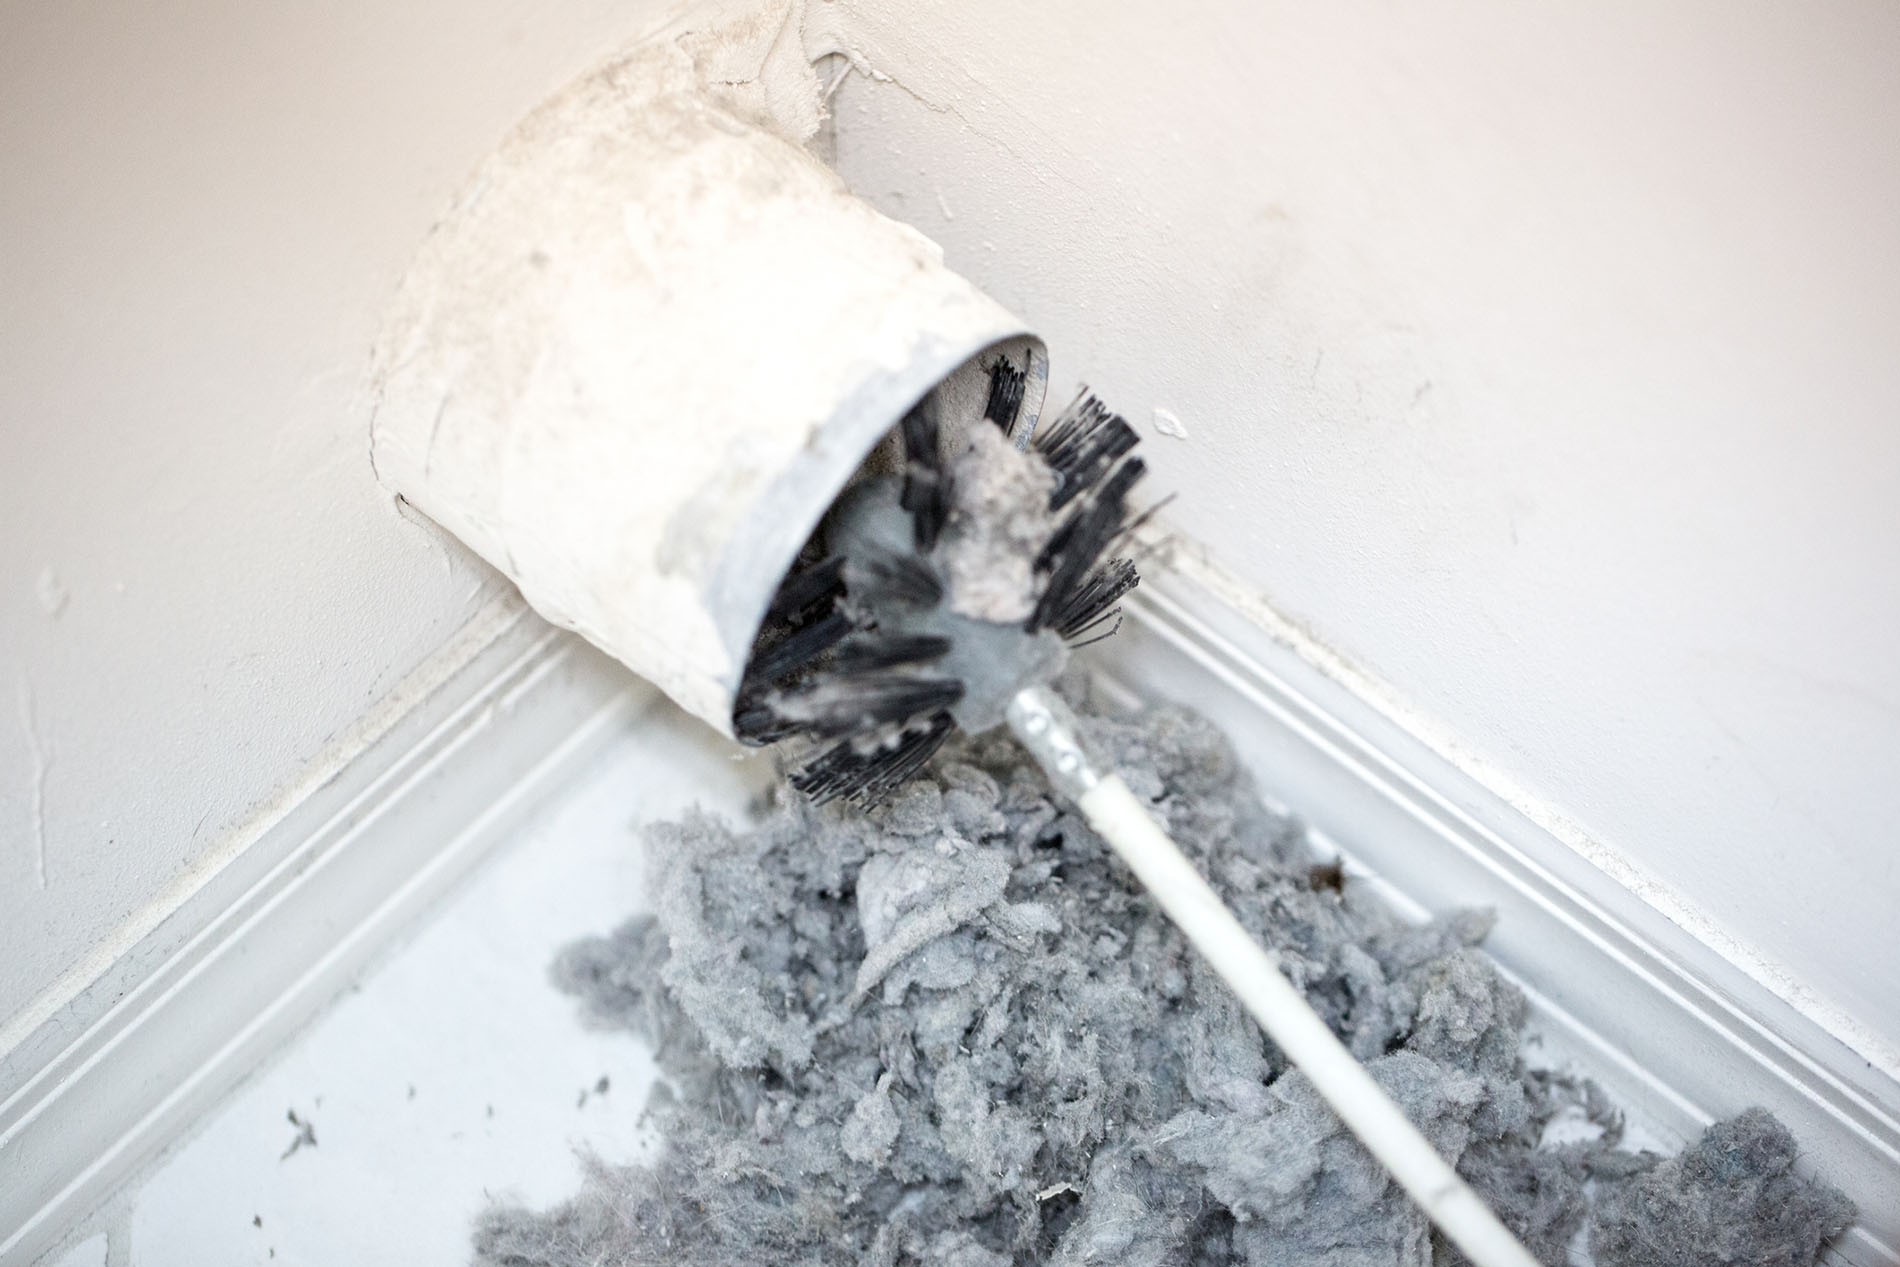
[1047, 728]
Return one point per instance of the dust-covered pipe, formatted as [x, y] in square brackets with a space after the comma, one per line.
[645, 351]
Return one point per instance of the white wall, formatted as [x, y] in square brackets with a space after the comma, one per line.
[203, 209]
[1544, 361]
[1541, 361]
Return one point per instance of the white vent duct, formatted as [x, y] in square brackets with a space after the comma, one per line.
[645, 351]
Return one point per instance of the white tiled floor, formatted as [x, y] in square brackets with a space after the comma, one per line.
[453, 1071]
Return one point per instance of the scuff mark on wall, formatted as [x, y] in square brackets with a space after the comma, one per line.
[52, 592]
[1168, 423]
[42, 762]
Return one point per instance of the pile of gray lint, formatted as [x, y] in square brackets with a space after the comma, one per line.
[953, 1032]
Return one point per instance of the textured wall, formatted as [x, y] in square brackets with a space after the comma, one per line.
[204, 209]
[1540, 360]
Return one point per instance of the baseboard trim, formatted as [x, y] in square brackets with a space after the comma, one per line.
[1673, 1030]
[120, 1070]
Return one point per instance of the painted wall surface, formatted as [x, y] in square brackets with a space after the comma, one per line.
[203, 211]
[1540, 360]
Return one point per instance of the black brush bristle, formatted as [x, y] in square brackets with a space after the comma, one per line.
[1083, 446]
[845, 705]
[870, 651]
[756, 722]
[1088, 635]
[801, 624]
[1098, 521]
[1006, 394]
[798, 649]
[876, 578]
[842, 661]
[926, 483]
[809, 634]
[805, 590]
[867, 772]
[1078, 545]
[1090, 602]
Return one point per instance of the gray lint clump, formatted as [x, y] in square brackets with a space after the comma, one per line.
[1732, 1197]
[999, 522]
[953, 1032]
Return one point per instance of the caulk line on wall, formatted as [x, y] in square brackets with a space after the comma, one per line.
[42, 763]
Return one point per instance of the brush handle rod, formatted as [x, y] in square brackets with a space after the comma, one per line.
[1047, 728]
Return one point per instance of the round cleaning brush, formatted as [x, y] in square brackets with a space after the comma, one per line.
[931, 598]
[948, 596]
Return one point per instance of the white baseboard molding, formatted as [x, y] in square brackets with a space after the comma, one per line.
[212, 985]
[1677, 1033]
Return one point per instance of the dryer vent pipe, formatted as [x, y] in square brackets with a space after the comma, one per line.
[644, 353]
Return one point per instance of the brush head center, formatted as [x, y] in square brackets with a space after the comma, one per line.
[927, 600]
